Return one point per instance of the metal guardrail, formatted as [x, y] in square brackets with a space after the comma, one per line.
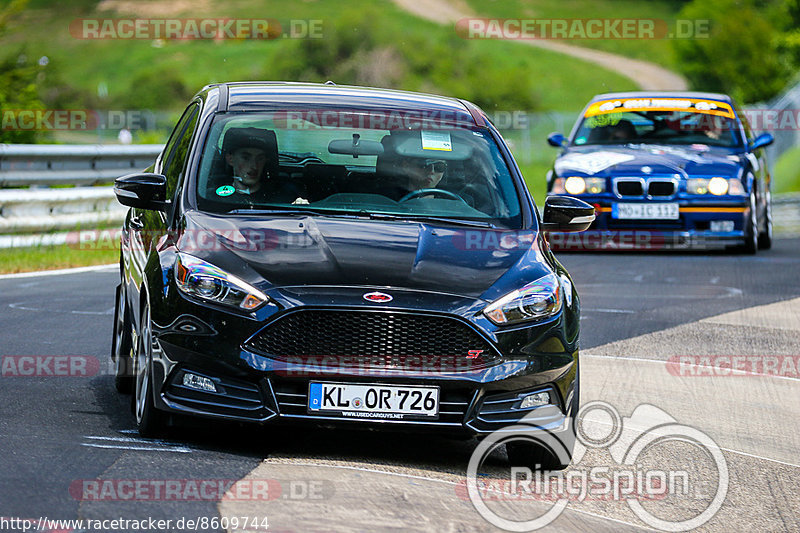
[786, 214]
[34, 206]
[53, 164]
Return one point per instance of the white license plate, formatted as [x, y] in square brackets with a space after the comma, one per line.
[653, 211]
[378, 402]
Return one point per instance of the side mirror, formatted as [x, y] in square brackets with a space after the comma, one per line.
[145, 191]
[556, 139]
[564, 213]
[765, 139]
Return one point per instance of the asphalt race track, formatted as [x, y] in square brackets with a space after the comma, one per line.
[658, 332]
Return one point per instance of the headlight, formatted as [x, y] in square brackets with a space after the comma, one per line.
[579, 185]
[205, 281]
[575, 185]
[537, 300]
[716, 186]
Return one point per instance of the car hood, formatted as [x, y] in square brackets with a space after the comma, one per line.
[629, 160]
[299, 250]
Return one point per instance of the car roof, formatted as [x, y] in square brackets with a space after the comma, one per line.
[242, 96]
[664, 94]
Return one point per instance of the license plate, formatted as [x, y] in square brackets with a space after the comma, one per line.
[646, 211]
[379, 402]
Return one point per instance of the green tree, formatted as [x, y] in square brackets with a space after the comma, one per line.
[741, 56]
[18, 85]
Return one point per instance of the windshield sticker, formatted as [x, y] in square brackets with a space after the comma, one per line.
[694, 105]
[591, 163]
[435, 140]
[598, 121]
[225, 190]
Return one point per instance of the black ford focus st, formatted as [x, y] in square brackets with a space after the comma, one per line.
[317, 254]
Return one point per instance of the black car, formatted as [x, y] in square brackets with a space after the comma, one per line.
[320, 254]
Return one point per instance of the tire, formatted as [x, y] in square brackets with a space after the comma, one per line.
[765, 237]
[750, 245]
[525, 452]
[121, 345]
[149, 421]
[533, 456]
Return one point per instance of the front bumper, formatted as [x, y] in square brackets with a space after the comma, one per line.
[473, 399]
[693, 230]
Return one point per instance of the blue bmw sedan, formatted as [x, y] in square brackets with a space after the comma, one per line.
[665, 171]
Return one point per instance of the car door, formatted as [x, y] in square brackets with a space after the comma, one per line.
[758, 164]
[145, 228]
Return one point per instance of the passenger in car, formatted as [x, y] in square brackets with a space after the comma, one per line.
[252, 157]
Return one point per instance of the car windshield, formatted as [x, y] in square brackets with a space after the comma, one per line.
[337, 163]
[659, 121]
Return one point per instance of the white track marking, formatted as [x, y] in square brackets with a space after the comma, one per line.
[133, 439]
[138, 448]
[412, 476]
[664, 362]
[21, 307]
[61, 272]
[606, 310]
[730, 450]
[129, 441]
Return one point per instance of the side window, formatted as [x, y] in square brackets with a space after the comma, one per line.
[745, 124]
[177, 148]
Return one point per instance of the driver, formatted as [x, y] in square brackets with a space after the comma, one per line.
[424, 173]
[417, 173]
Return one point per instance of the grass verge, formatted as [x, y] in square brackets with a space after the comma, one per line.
[14, 260]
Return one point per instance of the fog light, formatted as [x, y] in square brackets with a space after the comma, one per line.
[193, 381]
[535, 400]
[722, 225]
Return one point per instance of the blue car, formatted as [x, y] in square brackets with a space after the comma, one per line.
[665, 170]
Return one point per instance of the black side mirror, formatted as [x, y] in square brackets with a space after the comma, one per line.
[564, 213]
[556, 139]
[765, 139]
[144, 190]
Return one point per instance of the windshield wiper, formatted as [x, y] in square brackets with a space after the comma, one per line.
[365, 214]
[434, 219]
[275, 211]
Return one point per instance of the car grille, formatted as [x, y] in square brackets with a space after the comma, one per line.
[661, 188]
[292, 398]
[629, 188]
[374, 339]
